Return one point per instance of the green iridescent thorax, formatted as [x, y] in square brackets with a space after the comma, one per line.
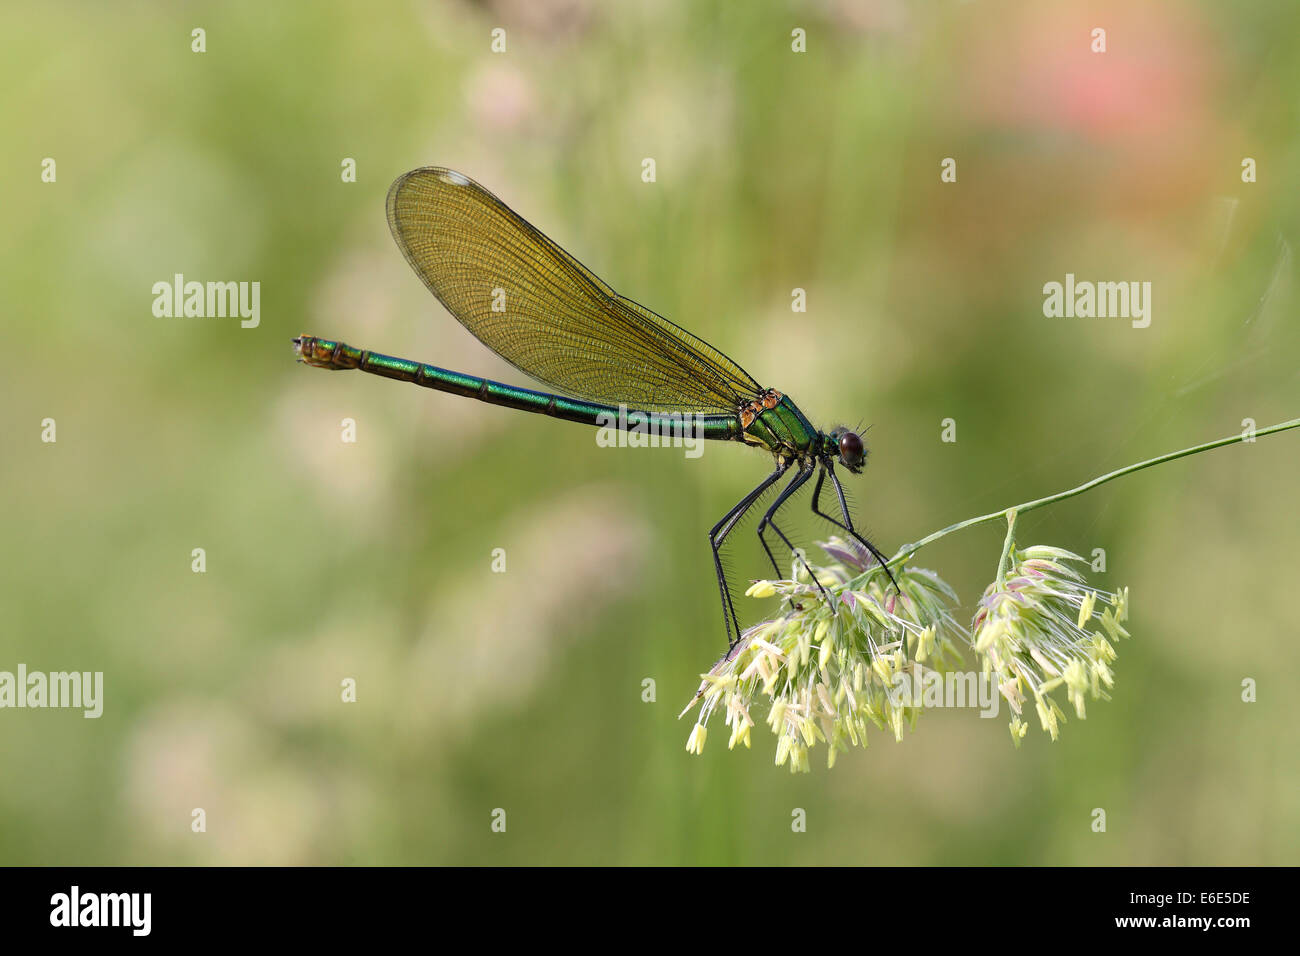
[785, 430]
[829, 445]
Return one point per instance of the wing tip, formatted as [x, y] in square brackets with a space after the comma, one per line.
[443, 174]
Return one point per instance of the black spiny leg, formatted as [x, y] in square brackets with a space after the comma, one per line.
[718, 535]
[847, 523]
[798, 479]
[805, 472]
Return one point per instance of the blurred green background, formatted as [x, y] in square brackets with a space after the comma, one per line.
[776, 170]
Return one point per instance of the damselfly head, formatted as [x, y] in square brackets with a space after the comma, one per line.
[849, 446]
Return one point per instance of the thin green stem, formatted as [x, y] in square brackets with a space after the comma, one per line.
[1009, 514]
[1006, 545]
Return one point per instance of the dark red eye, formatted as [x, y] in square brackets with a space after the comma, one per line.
[851, 451]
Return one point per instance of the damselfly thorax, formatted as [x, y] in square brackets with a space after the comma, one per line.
[774, 422]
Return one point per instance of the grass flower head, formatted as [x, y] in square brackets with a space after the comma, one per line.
[828, 671]
[1040, 627]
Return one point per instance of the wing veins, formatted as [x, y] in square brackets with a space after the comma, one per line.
[563, 325]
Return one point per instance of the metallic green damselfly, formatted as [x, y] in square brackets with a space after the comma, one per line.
[549, 316]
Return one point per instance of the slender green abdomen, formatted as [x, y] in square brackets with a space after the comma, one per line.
[323, 353]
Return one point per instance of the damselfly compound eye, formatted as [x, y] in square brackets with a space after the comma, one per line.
[852, 453]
